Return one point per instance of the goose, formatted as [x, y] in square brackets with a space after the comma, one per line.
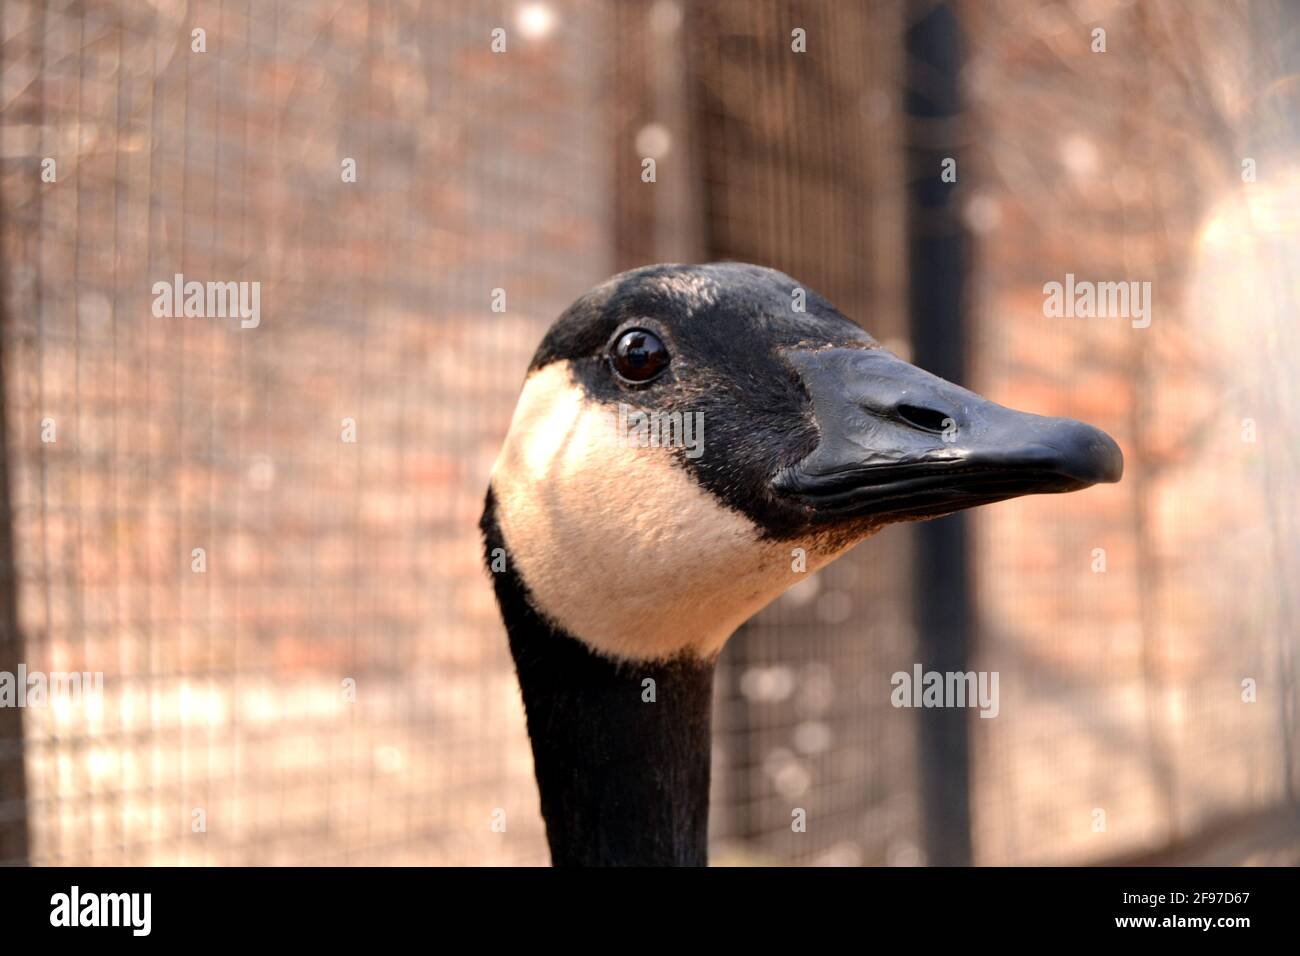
[623, 556]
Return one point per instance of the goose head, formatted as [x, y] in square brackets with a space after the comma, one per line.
[692, 440]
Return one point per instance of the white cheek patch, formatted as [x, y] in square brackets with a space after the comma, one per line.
[617, 544]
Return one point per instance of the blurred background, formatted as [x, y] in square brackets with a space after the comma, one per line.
[327, 680]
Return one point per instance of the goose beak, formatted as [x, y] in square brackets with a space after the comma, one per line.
[900, 443]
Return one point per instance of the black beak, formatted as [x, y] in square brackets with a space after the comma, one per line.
[901, 443]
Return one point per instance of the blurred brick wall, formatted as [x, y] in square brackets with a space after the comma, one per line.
[1122, 689]
[326, 560]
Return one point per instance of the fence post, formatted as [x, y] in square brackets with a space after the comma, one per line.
[13, 783]
[943, 608]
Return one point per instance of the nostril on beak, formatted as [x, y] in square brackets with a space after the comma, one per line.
[926, 419]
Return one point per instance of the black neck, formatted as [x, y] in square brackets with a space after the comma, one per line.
[623, 780]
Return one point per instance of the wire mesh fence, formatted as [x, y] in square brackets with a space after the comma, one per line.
[260, 528]
[1132, 628]
[264, 535]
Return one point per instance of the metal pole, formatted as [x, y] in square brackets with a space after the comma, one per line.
[13, 782]
[937, 250]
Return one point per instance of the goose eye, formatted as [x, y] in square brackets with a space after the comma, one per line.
[639, 356]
